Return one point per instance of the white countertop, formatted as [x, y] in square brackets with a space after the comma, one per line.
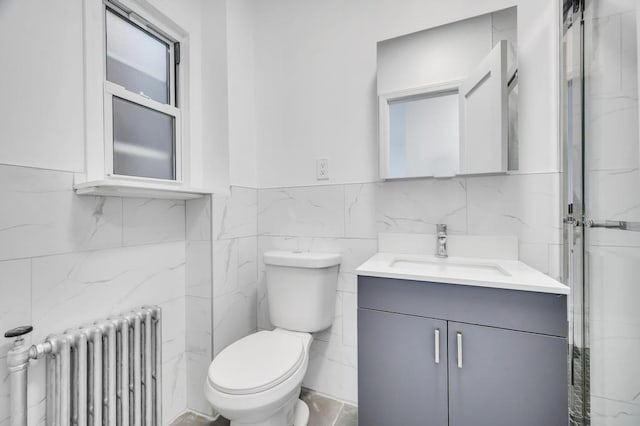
[493, 273]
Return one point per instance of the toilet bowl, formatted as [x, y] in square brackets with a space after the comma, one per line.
[256, 381]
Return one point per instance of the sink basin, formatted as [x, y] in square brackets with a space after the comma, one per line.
[471, 271]
[449, 267]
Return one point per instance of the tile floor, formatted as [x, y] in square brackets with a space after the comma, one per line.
[323, 411]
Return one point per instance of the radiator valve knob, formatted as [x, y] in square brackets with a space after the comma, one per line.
[18, 331]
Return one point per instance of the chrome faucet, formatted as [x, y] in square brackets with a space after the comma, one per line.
[441, 240]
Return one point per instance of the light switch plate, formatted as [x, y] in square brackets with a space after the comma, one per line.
[322, 169]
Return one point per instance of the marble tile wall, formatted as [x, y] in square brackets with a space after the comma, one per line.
[613, 173]
[199, 338]
[66, 260]
[221, 280]
[347, 218]
[235, 266]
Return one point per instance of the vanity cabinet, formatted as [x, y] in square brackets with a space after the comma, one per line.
[433, 354]
[506, 377]
[399, 350]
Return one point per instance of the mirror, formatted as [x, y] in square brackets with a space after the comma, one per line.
[448, 97]
[423, 134]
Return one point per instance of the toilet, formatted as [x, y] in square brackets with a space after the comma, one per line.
[256, 381]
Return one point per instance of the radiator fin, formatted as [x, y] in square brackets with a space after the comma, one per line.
[107, 373]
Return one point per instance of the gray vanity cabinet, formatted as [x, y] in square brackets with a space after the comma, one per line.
[503, 355]
[506, 377]
[401, 378]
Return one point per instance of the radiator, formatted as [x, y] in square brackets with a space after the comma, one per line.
[104, 374]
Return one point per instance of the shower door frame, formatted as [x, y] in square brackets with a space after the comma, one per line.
[572, 119]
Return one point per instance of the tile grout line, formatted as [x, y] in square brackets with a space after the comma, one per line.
[344, 210]
[212, 240]
[335, 420]
[466, 203]
[122, 222]
[425, 178]
[31, 293]
[185, 222]
[257, 258]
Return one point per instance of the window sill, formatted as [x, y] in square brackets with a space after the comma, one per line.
[112, 188]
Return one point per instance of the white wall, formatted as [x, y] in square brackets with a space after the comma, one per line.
[242, 106]
[435, 56]
[313, 87]
[215, 99]
[42, 85]
[66, 260]
[301, 86]
[42, 93]
[316, 76]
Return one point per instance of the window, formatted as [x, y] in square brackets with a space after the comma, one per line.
[142, 118]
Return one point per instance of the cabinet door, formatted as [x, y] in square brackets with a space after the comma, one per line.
[484, 118]
[501, 377]
[400, 381]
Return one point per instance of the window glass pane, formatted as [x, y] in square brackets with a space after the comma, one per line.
[143, 141]
[137, 60]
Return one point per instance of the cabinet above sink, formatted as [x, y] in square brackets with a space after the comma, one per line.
[448, 98]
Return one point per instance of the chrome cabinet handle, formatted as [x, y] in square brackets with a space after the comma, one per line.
[459, 349]
[437, 345]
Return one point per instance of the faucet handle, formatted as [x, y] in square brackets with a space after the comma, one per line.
[441, 228]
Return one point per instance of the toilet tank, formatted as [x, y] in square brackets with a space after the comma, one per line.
[301, 289]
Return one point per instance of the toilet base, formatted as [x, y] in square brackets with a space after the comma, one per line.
[295, 413]
[301, 417]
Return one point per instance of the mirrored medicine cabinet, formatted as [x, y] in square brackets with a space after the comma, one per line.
[448, 99]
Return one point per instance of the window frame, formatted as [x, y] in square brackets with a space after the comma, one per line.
[111, 90]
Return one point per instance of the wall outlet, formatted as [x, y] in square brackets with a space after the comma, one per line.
[322, 169]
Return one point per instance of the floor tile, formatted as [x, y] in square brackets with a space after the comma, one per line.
[348, 416]
[192, 419]
[323, 411]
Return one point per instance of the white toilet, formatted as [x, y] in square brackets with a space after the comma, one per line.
[256, 381]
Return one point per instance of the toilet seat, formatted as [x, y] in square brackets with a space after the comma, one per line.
[238, 371]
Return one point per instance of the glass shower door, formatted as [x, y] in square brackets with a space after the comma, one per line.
[606, 310]
[612, 198]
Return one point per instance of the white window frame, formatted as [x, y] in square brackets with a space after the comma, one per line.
[112, 89]
[99, 92]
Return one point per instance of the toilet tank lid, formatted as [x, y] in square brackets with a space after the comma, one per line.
[301, 259]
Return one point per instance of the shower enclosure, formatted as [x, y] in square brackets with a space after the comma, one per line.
[601, 158]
